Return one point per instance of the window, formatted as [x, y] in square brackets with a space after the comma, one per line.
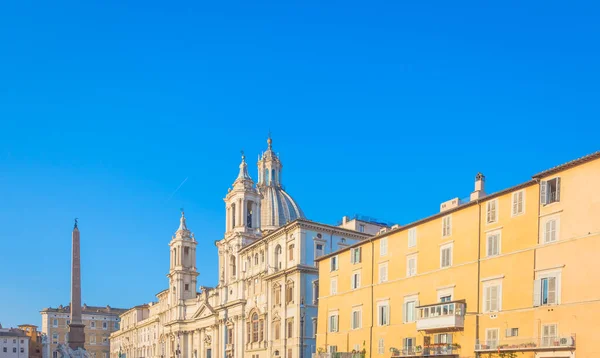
[334, 263]
[315, 293]
[256, 259]
[492, 297]
[262, 256]
[55, 323]
[442, 338]
[333, 286]
[549, 191]
[277, 257]
[93, 339]
[116, 325]
[277, 294]
[14, 349]
[380, 346]
[447, 226]
[355, 280]
[4, 349]
[412, 237]
[332, 349]
[492, 211]
[409, 313]
[361, 227]
[383, 272]
[493, 243]
[546, 290]
[446, 256]
[548, 334]
[383, 246]
[518, 203]
[105, 340]
[54, 338]
[334, 320]
[277, 329]
[186, 287]
[408, 345]
[290, 328]
[491, 337]
[290, 353]
[254, 327]
[55, 354]
[356, 318]
[104, 325]
[411, 265]
[289, 292]
[291, 252]
[318, 250]
[383, 313]
[355, 255]
[550, 230]
[93, 325]
[512, 332]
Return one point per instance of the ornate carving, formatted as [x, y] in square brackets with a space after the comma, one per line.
[207, 340]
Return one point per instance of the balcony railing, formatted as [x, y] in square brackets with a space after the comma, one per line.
[527, 344]
[441, 316]
[441, 349]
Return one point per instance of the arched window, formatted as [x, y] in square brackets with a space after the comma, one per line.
[261, 330]
[256, 259]
[266, 176]
[232, 215]
[255, 327]
[273, 175]
[232, 265]
[277, 257]
[249, 213]
[262, 256]
[277, 329]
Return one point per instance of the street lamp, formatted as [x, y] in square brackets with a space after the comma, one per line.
[302, 314]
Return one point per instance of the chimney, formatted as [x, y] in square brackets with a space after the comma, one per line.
[344, 220]
[479, 191]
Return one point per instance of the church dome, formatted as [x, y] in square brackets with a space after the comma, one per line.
[277, 208]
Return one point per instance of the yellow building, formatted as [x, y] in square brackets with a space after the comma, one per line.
[509, 274]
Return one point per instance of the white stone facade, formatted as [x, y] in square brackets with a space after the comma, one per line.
[267, 286]
[14, 343]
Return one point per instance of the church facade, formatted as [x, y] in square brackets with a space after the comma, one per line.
[265, 302]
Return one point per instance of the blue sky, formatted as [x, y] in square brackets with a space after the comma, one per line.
[384, 108]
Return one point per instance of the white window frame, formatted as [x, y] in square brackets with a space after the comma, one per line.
[333, 286]
[361, 227]
[409, 343]
[383, 313]
[498, 250]
[381, 346]
[488, 300]
[383, 272]
[406, 317]
[355, 283]
[356, 324]
[317, 254]
[538, 287]
[383, 246]
[514, 208]
[487, 337]
[333, 322]
[334, 263]
[412, 237]
[447, 226]
[491, 211]
[356, 255]
[54, 322]
[545, 239]
[409, 272]
[445, 247]
[548, 339]
[443, 292]
[545, 194]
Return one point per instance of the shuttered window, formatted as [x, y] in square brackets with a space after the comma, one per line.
[412, 237]
[411, 266]
[493, 244]
[492, 211]
[383, 272]
[518, 202]
[492, 298]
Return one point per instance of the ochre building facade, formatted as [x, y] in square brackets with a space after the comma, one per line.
[509, 274]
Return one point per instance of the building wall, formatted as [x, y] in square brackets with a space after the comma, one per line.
[98, 327]
[523, 257]
[13, 344]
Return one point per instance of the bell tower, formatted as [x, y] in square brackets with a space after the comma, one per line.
[269, 167]
[182, 270]
[242, 226]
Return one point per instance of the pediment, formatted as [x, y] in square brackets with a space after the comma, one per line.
[205, 310]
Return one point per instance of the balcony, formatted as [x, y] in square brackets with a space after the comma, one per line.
[439, 317]
[440, 350]
[527, 344]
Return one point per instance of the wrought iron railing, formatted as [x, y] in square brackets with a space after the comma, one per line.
[527, 344]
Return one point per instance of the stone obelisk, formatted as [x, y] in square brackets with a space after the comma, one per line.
[76, 333]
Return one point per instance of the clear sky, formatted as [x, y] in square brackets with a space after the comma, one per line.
[379, 108]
